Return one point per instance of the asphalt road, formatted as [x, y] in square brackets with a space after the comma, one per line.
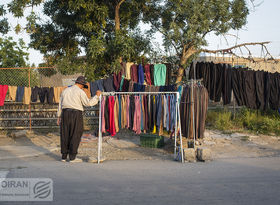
[229, 181]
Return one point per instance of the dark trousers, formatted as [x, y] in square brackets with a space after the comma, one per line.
[71, 131]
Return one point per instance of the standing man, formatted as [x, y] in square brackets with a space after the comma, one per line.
[70, 118]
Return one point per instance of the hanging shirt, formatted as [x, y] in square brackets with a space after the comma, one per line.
[121, 84]
[127, 70]
[140, 74]
[96, 85]
[109, 84]
[148, 74]
[117, 80]
[159, 74]
[134, 73]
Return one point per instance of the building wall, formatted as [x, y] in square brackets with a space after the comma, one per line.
[58, 80]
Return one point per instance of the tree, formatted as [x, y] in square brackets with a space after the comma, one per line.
[185, 23]
[4, 26]
[12, 55]
[103, 30]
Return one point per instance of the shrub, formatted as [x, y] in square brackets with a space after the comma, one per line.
[264, 122]
[223, 121]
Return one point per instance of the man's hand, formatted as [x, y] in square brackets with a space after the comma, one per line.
[98, 93]
[58, 121]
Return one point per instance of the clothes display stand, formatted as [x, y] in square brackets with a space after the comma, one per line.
[178, 150]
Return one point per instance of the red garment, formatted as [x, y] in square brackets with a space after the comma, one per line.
[148, 74]
[111, 103]
[3, 92]
[134, 73]
[117, 80]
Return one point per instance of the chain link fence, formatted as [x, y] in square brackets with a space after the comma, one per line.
[19, 112]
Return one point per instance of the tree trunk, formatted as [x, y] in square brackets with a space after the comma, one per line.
[185, 56]
[117, 21]
[117, 17]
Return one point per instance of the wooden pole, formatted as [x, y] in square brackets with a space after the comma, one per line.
[29, 102]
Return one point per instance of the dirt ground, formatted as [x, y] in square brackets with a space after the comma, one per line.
[126, 145]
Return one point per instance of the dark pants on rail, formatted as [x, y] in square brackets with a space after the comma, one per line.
[71, 131]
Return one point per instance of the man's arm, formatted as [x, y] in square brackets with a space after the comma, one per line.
[59, 110]
[92, 101]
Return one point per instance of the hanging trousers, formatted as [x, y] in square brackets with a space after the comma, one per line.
[141, 111]
[131, 111]
[111, 103]
[116, 116]
[137, 116]
[204, 107]
[27, 95]
[12, 92]
[71, 131]
[146, 112]
[127, 111]
[123, 113]
[120, 111]
[168, 113]
[19, 93]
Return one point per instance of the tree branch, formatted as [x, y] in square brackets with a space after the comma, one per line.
[165, 34]
[230, 50]
[121, 2]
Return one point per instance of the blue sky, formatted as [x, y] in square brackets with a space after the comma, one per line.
[263, 25]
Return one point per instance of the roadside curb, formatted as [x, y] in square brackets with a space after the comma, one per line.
[47, 151]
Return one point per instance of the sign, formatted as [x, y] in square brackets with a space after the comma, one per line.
[26, 189]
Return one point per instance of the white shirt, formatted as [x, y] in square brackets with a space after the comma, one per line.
[75, 98]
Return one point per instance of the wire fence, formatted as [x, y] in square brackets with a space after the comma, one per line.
[22, 111]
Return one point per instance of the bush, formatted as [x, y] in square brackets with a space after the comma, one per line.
[223, 121]
[263, 122]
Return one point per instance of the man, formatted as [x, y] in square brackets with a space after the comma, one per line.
[70, 118]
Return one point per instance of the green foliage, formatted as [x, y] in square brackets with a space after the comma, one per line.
[85, 27]
[184, 23]
[12, 55]
[220, 120]
[262, 122]
[4, 25]
[88, 27]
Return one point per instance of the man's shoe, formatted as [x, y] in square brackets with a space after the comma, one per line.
[76, 160]
[63, 160]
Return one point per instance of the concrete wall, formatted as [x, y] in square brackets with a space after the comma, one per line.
[58, 80]
[269, 66]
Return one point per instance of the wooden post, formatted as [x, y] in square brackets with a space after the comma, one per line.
[29, 102]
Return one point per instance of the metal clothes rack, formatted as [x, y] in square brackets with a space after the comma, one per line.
[177, 117]
[192, 82]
